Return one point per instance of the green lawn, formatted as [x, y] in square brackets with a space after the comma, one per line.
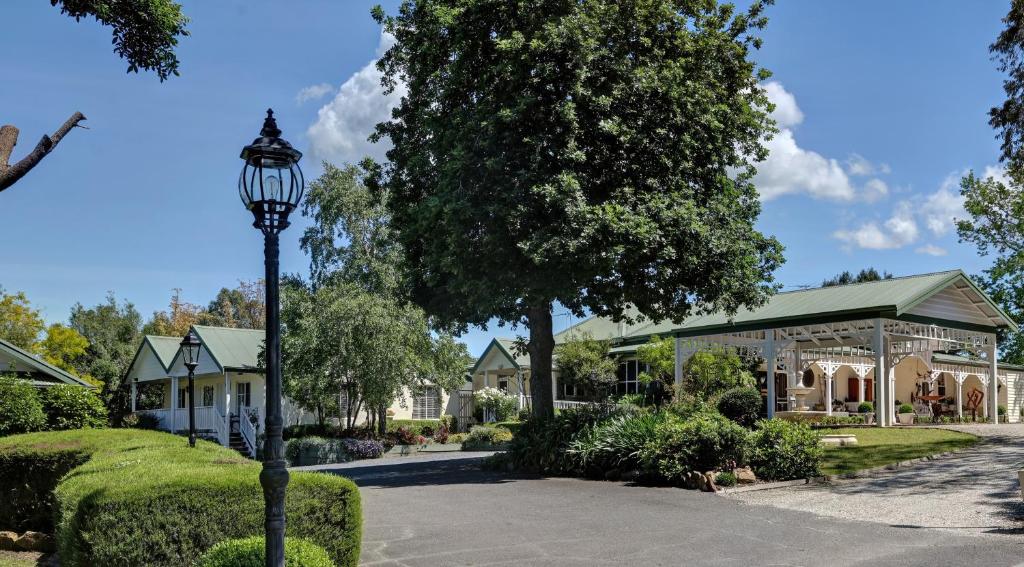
[877, 447]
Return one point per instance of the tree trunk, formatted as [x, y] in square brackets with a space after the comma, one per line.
[541, 348]
[382, 420]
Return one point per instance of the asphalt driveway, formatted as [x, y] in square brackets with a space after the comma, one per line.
[443, 510]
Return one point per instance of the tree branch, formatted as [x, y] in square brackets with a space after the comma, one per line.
[9, 175]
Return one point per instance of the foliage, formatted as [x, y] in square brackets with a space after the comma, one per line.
[405, 436]
[73, 407]
[502, 404]
[415, 426]
[318, 450]
[601, 151]
[584, 362]
[704, 442]
[742, 405]
[659, 354]
[784, 450]
[865, 275]
[441, 435]
[837, 420]
[145, 31]
[251, 552]
[20, 323]
[21, 410]
[707, 374]
[239, 308]
[542, 444]
[177, 319]
[104, 509]
[865, 407]
[114, 332]
[906, 408]
[62, 347]
[486, 437]
[725, 478]
[618, 442]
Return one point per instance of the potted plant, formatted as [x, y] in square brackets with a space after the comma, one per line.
[906, 412]
[867, 409]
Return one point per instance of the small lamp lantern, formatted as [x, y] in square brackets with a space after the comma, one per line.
[190, 357]
[271, 183]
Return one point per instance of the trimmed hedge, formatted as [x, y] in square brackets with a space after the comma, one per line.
[251, 552]
[73, 407]
[785, 450]
[21, 410]
[131, 497]
[415, 426]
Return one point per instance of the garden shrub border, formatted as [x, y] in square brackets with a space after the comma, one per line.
[131, 497]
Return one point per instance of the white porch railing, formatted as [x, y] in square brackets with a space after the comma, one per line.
[210, 419]
[246, 428]
[569, 404]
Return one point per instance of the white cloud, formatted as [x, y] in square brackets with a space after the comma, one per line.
[996, 172]
[931, 250]
[790, 169]
[343, 125]
[941, 208]
[857, 164]
[314, 92]
[787, 114]
[898, 231]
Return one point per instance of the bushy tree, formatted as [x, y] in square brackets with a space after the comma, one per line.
[709, 373]
[20, 323]
[596, 154]
[63, 347]
[865, 275]
[72, 407]
[113, 330]
[584, 362]
[21, 410]
[742, 404]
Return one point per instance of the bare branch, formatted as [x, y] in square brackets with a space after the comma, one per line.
[10, 175]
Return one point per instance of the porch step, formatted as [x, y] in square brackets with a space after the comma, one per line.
[236, 442]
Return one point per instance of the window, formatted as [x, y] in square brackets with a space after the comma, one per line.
[182, 402]
[942, 385]
[243, 396]
[426, 404]
[569, 391]
[628, 372]
[503, 383]
[208, 395]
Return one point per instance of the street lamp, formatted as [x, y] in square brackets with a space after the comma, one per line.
[271, 186]
[190, 356]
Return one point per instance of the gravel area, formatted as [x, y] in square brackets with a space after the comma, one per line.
[974, 492]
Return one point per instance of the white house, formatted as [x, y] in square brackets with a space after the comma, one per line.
[230, 403]
[31, 367]
[932, 336]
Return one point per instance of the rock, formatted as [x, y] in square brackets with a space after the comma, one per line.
[7, 540]
[709, 483]
[34, 541]
[745, 476]
[692, 480]
[613, 474]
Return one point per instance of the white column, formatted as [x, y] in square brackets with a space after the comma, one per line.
[174, 404]
[878, 346]
[135, 394]
[227, 405]
[860, 389]
[679, 365]
[891, 399]
[769, 366]
[993, 383]
[828, 394]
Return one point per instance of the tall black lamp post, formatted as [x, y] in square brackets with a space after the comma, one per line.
[271, 186]
[190, 356]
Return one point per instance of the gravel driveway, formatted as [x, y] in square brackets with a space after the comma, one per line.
[974, 492]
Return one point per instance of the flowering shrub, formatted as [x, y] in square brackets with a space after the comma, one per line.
[363, 448]
[441, 436]
[406, 436]
[503, 405]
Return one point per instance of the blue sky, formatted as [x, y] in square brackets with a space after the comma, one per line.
[883, 106]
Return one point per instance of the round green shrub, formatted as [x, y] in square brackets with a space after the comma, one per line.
[21, 411]
[784, 450]
[249, 552]
[742, 405]
[706, 441]
[725, 478]
[73, 407]
[865, 407]
[906, 408]
[481, 437]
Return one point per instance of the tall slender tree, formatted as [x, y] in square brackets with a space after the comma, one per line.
[597, 154]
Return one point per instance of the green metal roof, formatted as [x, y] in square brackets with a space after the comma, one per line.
[232, 349]
[944, 358]
[165, 348]
[40, 366]
[889, 298]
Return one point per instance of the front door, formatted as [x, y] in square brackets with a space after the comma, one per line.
[243, 396]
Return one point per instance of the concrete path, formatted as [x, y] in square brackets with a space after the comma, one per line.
[975, 492]
[446, 511]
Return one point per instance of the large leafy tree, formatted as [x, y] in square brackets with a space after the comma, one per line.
[352, 330]
[242, 307]
[113, 330]
[145, 35]
[995, 203]
[20, 323]
[596, 154]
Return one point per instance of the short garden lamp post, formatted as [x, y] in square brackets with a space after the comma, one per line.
[271, 186]
[190, 356]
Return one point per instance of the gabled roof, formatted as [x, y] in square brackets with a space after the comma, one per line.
[892, 298]
[506, 348]
[231, 349]
[39, 366]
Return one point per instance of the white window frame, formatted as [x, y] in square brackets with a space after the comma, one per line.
[426, 403]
